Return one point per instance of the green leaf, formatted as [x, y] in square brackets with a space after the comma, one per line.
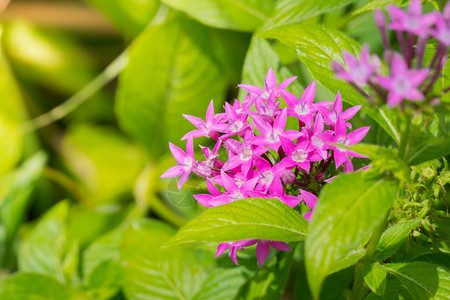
[34, 286]
[129, 16]
[348, 211]
[294, 11]
[252, 218]
[270, 281]
[316, 47]
[42, 250]
[385, 159]
[260, 57]
[418, 280]
[392, 239]
[170, 67]
[243, 15]
[105, 162]
[103, 282]
[374, 4]
[12, 113]
[429, 149]
[375, 277]
[13, 207]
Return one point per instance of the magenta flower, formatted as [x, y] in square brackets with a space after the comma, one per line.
[300, 155]
[270, 175]
[303, 109]
[413, 21]
[442, 31]
[341, 153]
[320, 139]
[207, 128]
[330, 118]
[245, 153]
[271, 134]
[263, 248]
[270, 85]
[310, 200]
[237, 121]
[403, 83]
[359, 70]
[185, 162]
[233, 248]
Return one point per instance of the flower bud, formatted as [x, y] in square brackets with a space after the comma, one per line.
[380, 20]
[320, 176]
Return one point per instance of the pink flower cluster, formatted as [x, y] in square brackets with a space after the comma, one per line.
[407, 78]
[264, 159]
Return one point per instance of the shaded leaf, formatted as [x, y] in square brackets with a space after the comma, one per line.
[348, 211]
[375, 277]
[392, 239]
[170, 65]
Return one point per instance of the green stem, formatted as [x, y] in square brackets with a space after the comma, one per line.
[404, 138]
[60, 111]
[359, 287]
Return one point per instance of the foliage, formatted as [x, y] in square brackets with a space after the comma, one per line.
[84, 213]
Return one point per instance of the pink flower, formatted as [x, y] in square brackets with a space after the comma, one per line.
[263, 248]
[300, 155]
[330, 118]
[303, 109]
[413, 21]
[207, 128]
[310, 200]
[442, 31]
[403, 83]
[270, 85]
[354, 137]
[359, 70]
[185, 162]
[233, 248]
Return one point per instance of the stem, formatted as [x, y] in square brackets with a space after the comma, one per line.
[404, 138]
[62, 110]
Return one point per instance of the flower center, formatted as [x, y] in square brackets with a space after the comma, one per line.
[412, 22]
[265, 95]
[236, 126]
[299, 155]
[317, 142]
[267, 177]
[245, 153]
[301, 110]
[342, 141]
[401, 85]
[236, 196]
[272, 136]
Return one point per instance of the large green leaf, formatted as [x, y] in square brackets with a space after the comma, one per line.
[294, 11]
[260, 57]
[429, 149]
[152, 272]
[244, 15]
[33, 286]
[129, 16]
[417, 281]
[348, 211]
[42, 250]
[104, 280]
[252, 218]
[13, 206]
[170, 73]
[317, 46]
[375, 277]
[392, 239]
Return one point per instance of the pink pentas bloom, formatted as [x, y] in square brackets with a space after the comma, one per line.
[412, 21]
[237, 121]
[330, 118]
[269, 175]
[344, 139]
[271, 134]
[442, 31]
[185, 162]
[263, 248]
[213, 123]
[403, 83]
[310, 200]
[270, 85]
[234, 246]
[300, 154]
[320, 139]
[303, 109]
[359, 70]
